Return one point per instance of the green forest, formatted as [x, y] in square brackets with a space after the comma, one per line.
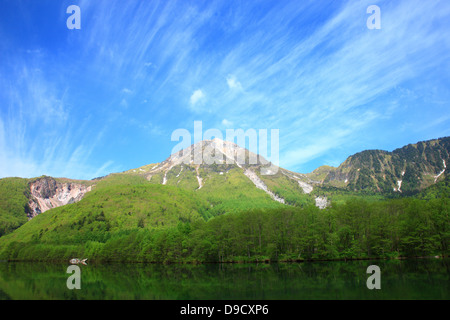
[130, 219]
[354, 230]
[14, 194]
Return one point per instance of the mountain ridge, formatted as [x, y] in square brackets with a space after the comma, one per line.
[410, 168]
[164, 213]
[404, 170]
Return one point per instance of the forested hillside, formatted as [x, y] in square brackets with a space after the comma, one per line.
[357, 229]
[14, 195]
[177, 212]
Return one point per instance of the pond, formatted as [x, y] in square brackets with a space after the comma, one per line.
[400, 279]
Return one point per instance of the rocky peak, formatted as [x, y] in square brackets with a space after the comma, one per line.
[216, 151]
[47, 193]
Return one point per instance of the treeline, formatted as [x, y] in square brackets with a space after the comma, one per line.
[357, 229]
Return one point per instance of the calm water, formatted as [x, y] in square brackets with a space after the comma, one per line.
[405, 279]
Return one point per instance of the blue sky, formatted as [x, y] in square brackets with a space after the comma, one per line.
[106, 98]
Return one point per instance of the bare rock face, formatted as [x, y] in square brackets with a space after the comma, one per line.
[321, 202]
[47, 193]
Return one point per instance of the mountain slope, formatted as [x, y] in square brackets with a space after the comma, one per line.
[22, 199]
[152, 210]
[106, 212]
[14, 197]
[405, 170]
[231, 179]
[411, 168]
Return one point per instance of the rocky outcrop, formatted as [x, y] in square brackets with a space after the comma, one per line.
[47, 193]
[321, 202]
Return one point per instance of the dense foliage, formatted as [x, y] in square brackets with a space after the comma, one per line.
[13, 204]
[357, 229]
[223, 217]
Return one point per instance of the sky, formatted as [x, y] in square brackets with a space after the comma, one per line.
[83, 103]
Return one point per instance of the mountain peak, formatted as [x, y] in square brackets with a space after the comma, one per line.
[216, 151]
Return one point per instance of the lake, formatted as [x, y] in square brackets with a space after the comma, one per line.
[400, 279]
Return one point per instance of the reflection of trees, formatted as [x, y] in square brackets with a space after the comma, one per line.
[401, 279]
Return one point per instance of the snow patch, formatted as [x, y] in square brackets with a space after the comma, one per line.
[200, 180]
[307, 188]
[440, 173]
[165, 175]
[261, 185]
[180, 171]
[399, 185]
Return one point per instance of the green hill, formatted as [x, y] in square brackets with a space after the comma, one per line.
[105, 213]
[124, 204]
[14, 195]
[178, 211]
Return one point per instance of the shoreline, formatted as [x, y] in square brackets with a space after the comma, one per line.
[93, 262]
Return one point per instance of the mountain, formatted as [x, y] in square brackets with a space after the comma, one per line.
[405, 170]
[229, 178]
[22, 199]
[408, 169]
[179, 209]
[235, 173]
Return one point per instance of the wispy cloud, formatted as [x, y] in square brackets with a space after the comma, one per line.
[233, 83]
[37, 134]
[227, 123]
[311, 69]
[196, 97]
[308, 86]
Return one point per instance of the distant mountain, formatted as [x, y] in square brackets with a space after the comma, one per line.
[235, 174]
[408, 169]
[229, 185]
[404, 170]
[178, 209]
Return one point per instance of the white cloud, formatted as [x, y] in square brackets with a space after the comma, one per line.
[309, 82]
[233, 84]
[197, 97]
[227, 123]
[63, 154]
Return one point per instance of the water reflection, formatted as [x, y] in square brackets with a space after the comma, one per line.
[400, 279]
